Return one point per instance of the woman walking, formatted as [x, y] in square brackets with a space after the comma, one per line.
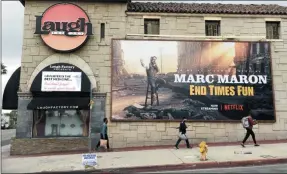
[248, 124]
[182, 133]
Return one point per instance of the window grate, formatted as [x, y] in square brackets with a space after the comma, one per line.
[102, 30]
[212, 28]
[151, 26]
[272, 30]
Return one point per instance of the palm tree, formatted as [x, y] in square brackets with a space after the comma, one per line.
[3, 69]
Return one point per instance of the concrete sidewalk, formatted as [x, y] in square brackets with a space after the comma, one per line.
[148, 160]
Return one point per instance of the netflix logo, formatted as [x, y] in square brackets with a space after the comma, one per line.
[232, 107]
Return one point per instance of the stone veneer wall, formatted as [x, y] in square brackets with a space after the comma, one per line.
[25, 146]
[97, 53]
[149, 133]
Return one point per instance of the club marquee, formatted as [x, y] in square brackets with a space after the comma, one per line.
[63, 28]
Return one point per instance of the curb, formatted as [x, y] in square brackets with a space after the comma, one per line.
[199, 165]
[184, 166]
[140, 148]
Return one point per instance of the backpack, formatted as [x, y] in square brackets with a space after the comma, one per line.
[245, 122]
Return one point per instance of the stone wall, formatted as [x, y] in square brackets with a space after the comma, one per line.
[27, 146]
[97, 54]
[151, 133]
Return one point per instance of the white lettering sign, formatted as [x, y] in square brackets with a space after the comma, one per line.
[200, 78]
[61, 81]
[89, 160]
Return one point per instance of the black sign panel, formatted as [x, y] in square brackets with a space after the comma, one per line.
[55, 103]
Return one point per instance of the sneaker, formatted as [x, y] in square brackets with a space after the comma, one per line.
[176, 147]
[256, 145]
[242, 145]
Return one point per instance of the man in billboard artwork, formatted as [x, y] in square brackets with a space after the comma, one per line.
[151, 71]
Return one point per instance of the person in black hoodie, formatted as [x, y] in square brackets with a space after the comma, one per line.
[182, 130]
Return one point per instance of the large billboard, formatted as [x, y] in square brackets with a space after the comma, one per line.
[199, 80]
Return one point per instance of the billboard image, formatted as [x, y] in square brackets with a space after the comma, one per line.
[199, 80]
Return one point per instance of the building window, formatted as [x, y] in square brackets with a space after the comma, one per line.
[151, 26]
[262, 48]
[262, 68]
[102, 30]
[61, 123]
[212, 28]
[254, 67]
[254, 48]
[272, 30]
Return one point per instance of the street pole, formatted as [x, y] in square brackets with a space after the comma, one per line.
[161, 60]
[90, 114]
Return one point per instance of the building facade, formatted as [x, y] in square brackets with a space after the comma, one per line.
[50, 130]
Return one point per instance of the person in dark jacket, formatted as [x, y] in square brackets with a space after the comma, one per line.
[250, 131]
[104, 133]
[182, 130]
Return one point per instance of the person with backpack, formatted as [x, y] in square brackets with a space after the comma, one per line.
[248, 123]
[182, 134]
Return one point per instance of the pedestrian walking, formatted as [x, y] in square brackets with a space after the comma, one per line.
[182, 134]
[248, 124]
[104, 133]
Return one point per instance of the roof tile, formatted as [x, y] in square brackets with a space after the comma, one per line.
[205, 8]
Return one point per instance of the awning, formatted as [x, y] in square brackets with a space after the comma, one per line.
[10, 96]
[54, 103]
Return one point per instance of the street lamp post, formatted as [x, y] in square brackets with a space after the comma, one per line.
[90, 130]
[161, 59]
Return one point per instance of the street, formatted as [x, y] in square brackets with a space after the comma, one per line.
[279, 168]
[6, 136]
[5, 142]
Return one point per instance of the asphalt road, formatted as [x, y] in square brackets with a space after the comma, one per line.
[279, 168]
[5, 142]
[6, 136]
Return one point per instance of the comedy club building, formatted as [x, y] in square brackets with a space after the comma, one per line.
[86, 60]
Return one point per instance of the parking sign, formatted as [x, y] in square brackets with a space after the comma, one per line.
[89, 160]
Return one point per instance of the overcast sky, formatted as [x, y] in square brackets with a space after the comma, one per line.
[12, 31]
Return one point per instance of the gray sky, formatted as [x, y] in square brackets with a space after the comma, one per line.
[12, 31]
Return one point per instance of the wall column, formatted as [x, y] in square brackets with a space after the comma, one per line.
[97, 116]
[24, 117]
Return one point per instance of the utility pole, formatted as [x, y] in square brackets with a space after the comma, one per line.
[90, 130]
[160, 59]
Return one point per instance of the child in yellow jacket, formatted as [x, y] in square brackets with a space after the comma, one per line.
[203, 149]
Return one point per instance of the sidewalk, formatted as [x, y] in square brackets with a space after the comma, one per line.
[149, 160]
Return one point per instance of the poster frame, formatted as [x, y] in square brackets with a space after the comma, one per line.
[176, 120]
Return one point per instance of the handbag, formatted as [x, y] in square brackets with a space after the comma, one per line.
[103, 143]
[182, 136]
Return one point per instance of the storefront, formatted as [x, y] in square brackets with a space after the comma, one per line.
[145, 66]
[60, 104]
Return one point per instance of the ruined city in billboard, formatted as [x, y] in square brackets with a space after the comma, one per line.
[199, 80]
